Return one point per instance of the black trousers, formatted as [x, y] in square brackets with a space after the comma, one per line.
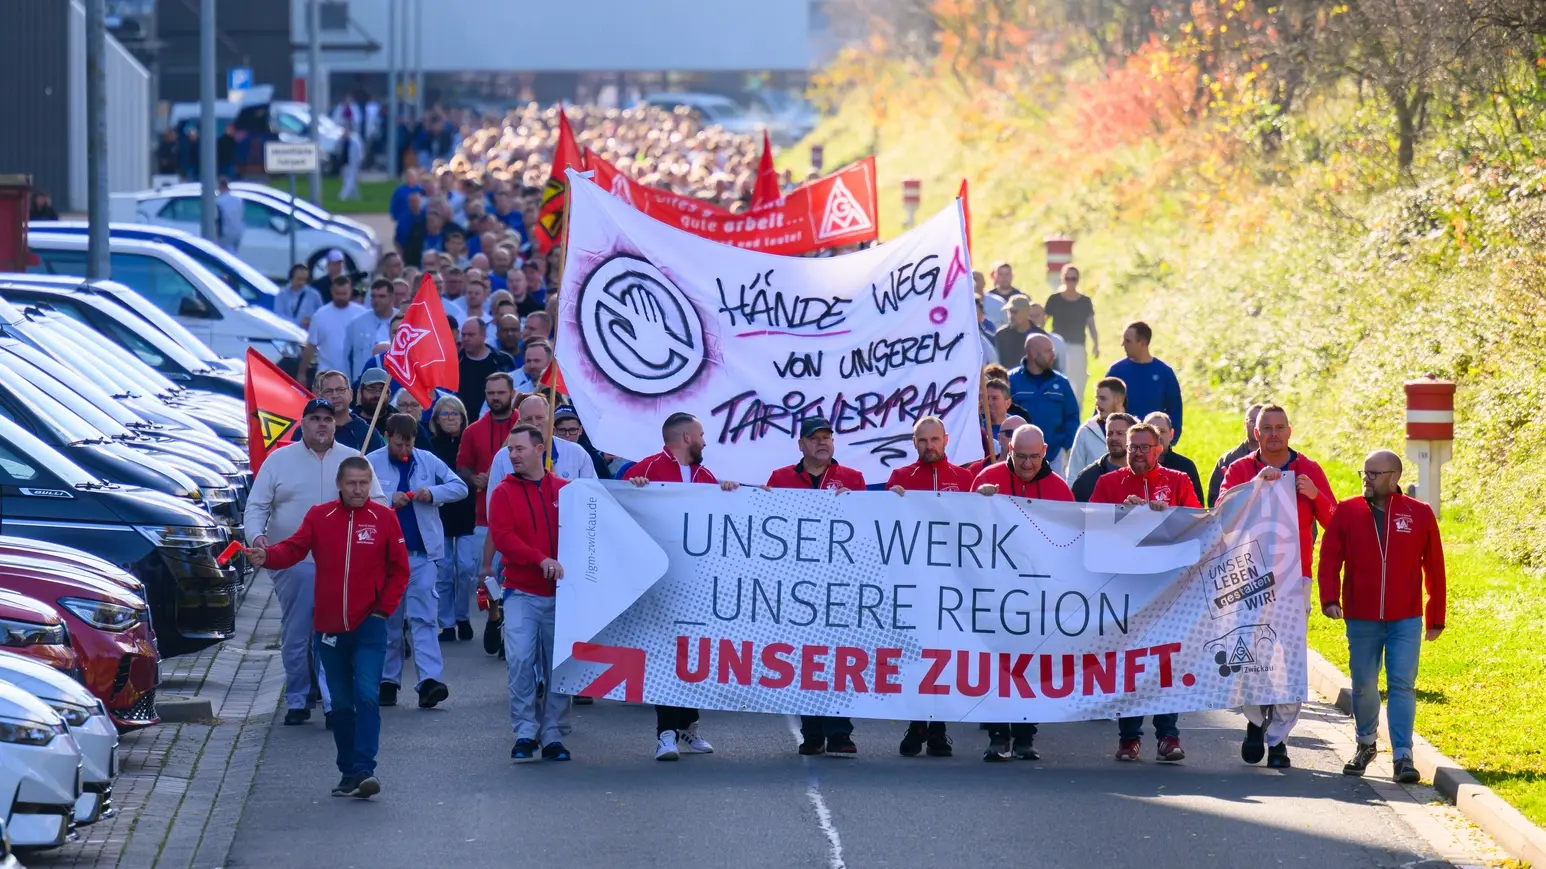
[935, 727]
[674, 718]
[818, 727]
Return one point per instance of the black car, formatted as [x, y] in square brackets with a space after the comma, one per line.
[168, 544]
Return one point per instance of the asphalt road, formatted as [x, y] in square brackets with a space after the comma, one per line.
[451, 797]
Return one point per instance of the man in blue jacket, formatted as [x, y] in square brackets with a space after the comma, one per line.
[1151, 384]
[418, 482]
[1046, 393]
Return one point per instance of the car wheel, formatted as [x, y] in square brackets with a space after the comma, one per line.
[318, 264]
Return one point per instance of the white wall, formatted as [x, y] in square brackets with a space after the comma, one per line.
[584, 35]
[128, 116]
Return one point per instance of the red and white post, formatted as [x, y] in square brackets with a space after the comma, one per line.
[1430, 433]
[1060, 252]
[912, 194]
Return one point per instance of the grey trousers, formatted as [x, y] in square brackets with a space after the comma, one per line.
[528, 651]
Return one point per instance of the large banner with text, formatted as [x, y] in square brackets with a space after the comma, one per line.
[653, 321]
[949, 606]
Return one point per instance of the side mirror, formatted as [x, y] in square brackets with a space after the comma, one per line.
[279, 224]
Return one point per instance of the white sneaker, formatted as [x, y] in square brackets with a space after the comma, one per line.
[696, 743]
[666, 749]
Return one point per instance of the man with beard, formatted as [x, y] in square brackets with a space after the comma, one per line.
[818, 469]
[481, 440]
[931, 473]
[476, 362]
[370, 328]
[1090, 442]
[1172, 459]
[679, 461]
[1243, 449]
[1115, 458]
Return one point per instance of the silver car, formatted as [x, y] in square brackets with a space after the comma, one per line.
[88, 722]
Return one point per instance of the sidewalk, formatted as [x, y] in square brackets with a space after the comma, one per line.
[182, 787]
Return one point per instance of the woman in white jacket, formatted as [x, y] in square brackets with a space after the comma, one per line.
[1090, 440]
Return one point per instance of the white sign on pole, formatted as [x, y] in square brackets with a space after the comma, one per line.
[289, 158]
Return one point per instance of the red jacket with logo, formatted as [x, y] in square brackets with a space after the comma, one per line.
[835, 477]
[362, 564]
[1244, 470]
[1045, 485]
[1385, 583]
[523, 520]
[664, 468]
[481, 441]
[1159, 484]
[940, 476]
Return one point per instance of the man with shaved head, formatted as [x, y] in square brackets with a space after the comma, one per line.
[1243, 449]
[1380, 552]
[1039, 388]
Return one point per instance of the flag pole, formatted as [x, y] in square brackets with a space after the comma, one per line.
[987, 419]
[373, 417]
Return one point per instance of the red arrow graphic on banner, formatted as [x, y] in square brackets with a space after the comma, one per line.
[627, 670]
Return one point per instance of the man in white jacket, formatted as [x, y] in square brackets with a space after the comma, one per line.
[1090, 440]
[292, 480]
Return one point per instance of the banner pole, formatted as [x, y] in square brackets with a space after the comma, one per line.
[373, 417]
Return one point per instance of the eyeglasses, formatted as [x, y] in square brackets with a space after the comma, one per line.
[448, 414]
[1370, 475]
[1027, 458]
[1141, 448]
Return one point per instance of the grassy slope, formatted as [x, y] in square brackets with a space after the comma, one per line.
[374, 195]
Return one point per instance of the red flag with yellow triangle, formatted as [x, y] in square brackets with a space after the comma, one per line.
[555, 196]
[274, 406]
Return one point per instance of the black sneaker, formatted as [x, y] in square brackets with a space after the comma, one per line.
[913, 739]
[525, 751]
[1254, 747]
[938, 744]
[366, 787]
[810, 746]
[842, 745]
[345, 786]
[327, 720]
[1405, 771]
[584, 701]
[555, 751]
[448, 635]
[388, 694]
[463, 631]
[1026, 750]
[1277, 757]
[998, 750]
[297, 716]
[1361, 759]
[431, 692]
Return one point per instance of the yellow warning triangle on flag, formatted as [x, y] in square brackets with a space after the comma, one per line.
[273, 427]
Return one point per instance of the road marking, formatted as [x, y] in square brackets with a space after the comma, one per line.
[813, 793]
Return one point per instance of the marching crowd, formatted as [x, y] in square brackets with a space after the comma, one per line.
[444, 503]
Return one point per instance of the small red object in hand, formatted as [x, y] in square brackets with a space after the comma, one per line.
[228, 553]
[482, 597]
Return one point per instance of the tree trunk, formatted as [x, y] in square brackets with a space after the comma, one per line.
[1406, 128]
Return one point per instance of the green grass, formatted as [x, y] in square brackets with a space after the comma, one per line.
[1479, 686]
[374, 195]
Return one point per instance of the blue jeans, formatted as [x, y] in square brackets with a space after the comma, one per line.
[418, 610]
[1164, 725]
[352, 663]
[1398, 643]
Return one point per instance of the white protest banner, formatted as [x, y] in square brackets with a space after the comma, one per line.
[949, 606]
[653, 320]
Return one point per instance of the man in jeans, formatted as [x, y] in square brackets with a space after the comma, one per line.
[1379, 552]
[361, 573]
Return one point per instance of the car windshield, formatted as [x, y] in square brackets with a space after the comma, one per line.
[25, 445]
[87, 399]
[158, 318]
[209, 282]
[112, 363]
[249, 282]
[140, 338]
[63, 423]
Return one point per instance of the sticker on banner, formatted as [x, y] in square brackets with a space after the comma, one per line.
[1239, 579]
[1247, 649]
[639, 328]
[843, 213]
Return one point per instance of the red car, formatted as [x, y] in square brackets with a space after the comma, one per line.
[109, 629]
[34, 629]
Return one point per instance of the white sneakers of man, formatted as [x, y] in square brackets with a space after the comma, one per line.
[673, 743]
[696, 743]
[666, 749]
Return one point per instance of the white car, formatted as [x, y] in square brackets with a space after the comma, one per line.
[265, 241]
[40, 771]
[88, 722]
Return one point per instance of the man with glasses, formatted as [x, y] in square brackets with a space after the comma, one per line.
[1272, 459]
[1025, 474]
[1143, 481]
[352, 430]
[1381, 550]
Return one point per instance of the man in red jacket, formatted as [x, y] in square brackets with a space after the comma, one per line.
[818, 469]
[481, 440]
[1025, 474]
[679, 461]
[523, 523]
[1380, 552]
[1270, 460]
[361, 573]
[931, 473]
[1143, 481]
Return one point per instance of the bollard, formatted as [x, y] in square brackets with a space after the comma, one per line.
[818, 152]
[1430, 434]
[912, 193]
[1060, 252]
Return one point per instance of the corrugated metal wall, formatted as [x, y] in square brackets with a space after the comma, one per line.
[128, 115]
[34, 94]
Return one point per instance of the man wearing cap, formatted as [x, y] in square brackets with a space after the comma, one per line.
[350, 430]
[818, 469]
[370, 398]
[370, 328]
[293, 479]
[333, 263]
[1009, 340]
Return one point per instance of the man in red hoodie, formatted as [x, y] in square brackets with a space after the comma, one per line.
[1270, 460]
[1143, 481]
[1025, 474]
[481, 440]
[818, 469]
[931, 473]
[679, 461]
[361, 573]
[523, 523]
[1381, 550]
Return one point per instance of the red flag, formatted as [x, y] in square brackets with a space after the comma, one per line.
[768, 188]
[553, 379]
[555, 196]
[274, 406]
[423, 353]
[966, 212]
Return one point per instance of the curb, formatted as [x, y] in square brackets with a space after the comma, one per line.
[1513, 832]
[184, 709]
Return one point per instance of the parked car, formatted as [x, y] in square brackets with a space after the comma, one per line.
[87, 719]
[70, 559]
[7, 858]
[180, 287]
[33, 629]
[340, 222]
[40, 771]
[167, 543]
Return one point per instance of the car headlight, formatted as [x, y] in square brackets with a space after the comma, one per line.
[219, 495]
[15, 633]
[22, 732]
[72, 714]
[181, 536]
[285, 348]
[101, 613]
